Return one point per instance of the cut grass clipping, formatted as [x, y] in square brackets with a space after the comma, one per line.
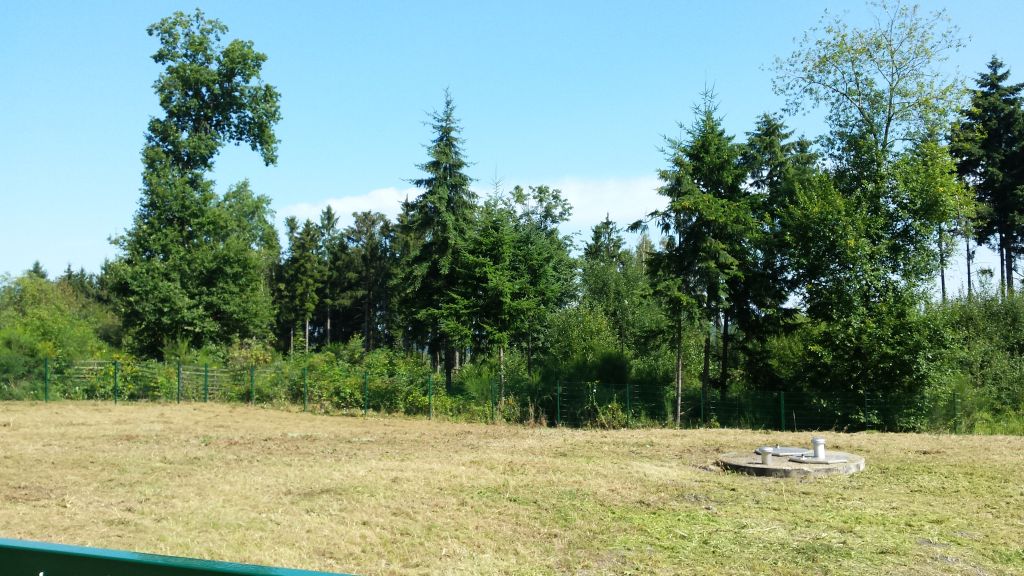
[402, 496]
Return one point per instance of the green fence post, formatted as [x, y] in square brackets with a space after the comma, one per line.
[46, 379]
[366, 392]
[628, 408]
[430, 397]
[558, 403]
[781, 409]
[956, 414]
[494, 401]
[117, 369]
[179, 382]
[305, 389]
[206, 382]
[252, 385]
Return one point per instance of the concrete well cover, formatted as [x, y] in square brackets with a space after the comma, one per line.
[782, 451]
[781, 467]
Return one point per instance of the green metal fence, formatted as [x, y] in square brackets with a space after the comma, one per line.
[342, 388]
[25, 558]
[322, 388]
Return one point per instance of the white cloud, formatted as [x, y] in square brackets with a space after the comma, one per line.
[624, 200]
[385, 200]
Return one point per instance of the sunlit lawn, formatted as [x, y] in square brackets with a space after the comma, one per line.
[403, 496]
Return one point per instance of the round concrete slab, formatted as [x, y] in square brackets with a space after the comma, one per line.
[782, 467]
[782, 450]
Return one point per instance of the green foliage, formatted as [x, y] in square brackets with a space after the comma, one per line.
[983, 362]
[371, 237]
[614, 280]
[881, 82]
[582, 346]
[440, 220]
[298, 281]
[212, 94]
[40, 319]
[783, 271]
[195, 267]
[988, 142]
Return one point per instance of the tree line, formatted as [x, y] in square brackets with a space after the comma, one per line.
[777, 262]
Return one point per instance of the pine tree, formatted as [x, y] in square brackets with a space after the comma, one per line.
[370, 239]
[988, 143]
[496, 304]
[440, 219]
[602, 279]
[542, 259]
[299, 280]
[708, 223]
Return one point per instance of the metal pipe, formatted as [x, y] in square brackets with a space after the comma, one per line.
[819, 447]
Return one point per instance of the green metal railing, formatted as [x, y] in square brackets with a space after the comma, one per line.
[25, 558]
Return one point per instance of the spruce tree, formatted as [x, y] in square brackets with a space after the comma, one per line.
[370, 239]
[542, 258]
[988, 144]
[299, 280]
[440, 219]
[708, 223]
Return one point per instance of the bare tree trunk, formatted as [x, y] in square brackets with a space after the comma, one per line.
[706, 372]
[970, 258]
[723, 378]
[1009, 269]
[307, 335]
[449, 357]
[716, 345]
[328, 326]
[942, 266]
[1002, 270]
[679, 371]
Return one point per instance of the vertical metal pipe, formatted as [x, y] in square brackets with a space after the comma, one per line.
[818, 444]
[206, 382]
[179, 382]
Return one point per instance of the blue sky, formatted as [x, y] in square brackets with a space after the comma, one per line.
[575, 95]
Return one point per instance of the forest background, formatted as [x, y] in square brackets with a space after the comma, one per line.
[776, 262]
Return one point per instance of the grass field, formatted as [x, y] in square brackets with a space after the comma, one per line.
[400, 496]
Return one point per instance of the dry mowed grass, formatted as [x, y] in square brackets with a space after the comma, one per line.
[400, 496]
